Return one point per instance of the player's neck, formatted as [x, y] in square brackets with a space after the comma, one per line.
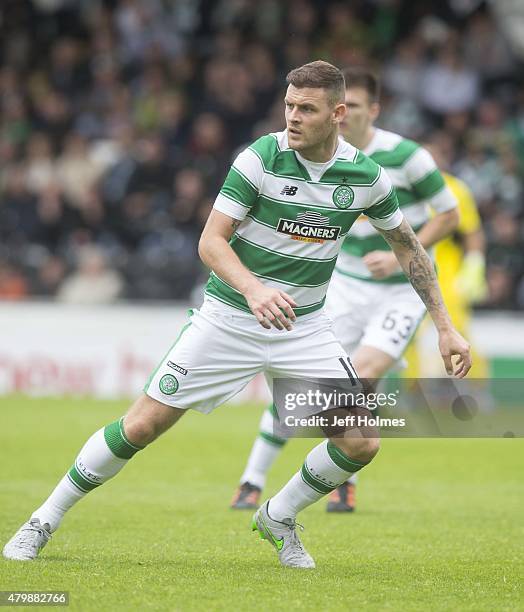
[362, 142]
[323, 152]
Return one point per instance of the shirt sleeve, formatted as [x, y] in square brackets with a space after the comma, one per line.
[428, 183]
[383, 210]
[241, 187]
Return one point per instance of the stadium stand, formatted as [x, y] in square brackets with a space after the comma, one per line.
[118, 119]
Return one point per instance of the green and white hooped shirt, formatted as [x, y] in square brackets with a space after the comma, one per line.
[419, 186]
[296, 214]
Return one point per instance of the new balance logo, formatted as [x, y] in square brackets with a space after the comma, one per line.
[290, 191]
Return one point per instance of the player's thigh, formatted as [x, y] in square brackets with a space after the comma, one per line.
[316, 360]
[311, 351]
[310, 363]
[213, 359]
[394, 321]
[371, 362]
[348, 306]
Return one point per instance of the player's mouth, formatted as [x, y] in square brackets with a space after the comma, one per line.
[294, 131]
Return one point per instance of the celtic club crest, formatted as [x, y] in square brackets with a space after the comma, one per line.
[343, 196]
[168, 384]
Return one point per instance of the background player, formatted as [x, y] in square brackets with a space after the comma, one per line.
[460, 260]
[374, 308]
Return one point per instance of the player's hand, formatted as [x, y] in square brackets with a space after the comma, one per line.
[381, 264]
[271, 307]
[452, 345]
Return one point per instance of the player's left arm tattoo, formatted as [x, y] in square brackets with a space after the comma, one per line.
[419, 268]
[235, 223]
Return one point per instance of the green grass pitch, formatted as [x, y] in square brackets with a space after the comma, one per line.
[438, 526]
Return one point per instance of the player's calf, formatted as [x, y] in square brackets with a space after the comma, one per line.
[104, 454]
[326, 467]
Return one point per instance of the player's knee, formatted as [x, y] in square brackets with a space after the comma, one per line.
[372, 447]
[140, 430]
[147, 419]
[359, 449]
[367, 449]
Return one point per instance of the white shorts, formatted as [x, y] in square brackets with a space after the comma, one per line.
[222, 348]
[384, 316]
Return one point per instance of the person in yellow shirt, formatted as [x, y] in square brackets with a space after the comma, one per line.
[460, 261]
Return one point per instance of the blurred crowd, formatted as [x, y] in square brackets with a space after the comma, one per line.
[119, 119]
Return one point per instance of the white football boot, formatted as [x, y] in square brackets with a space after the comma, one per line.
[283, 535]
[28, 541]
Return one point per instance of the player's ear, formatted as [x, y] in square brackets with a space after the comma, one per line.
[339, 112]
[374, 111]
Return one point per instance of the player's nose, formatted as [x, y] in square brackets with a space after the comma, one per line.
[293, 116]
